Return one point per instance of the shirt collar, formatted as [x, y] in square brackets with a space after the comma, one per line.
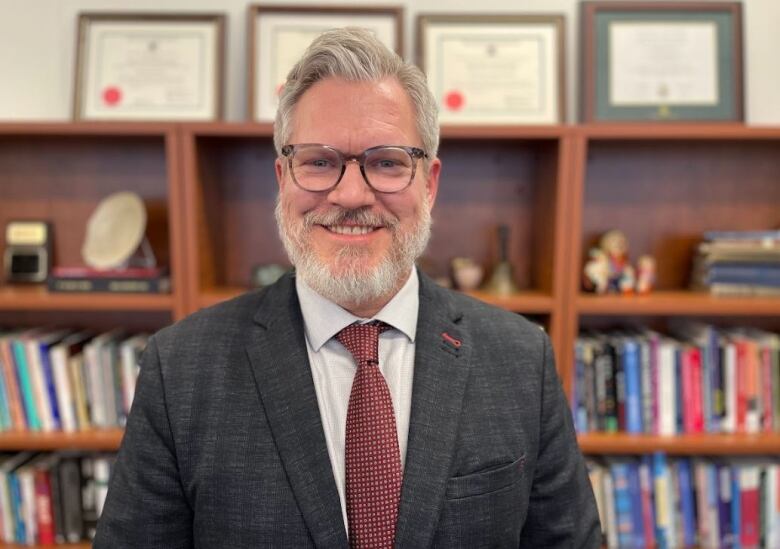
[323, 319]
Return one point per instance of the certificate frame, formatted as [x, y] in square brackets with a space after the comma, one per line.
[703, 83]
[535, 45]
[278, 34]
[198, 38]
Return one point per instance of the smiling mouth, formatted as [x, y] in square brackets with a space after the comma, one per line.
[354, 230]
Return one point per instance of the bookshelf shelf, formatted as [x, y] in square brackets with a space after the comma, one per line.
[35, 298]
[100, 440]
[704, 444]
[675, 303]
[521, 302]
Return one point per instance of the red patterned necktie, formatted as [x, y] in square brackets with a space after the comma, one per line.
[372, 457]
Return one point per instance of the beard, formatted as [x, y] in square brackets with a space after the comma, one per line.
[347, 278]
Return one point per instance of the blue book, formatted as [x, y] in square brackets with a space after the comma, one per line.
[725, 505]
[687, 503]
[736, 511]
[45, 343]
[743, 274]
[623, 514]
[678, 396]
[633, 386]
[635, 489]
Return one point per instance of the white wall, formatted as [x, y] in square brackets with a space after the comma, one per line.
[37, 43]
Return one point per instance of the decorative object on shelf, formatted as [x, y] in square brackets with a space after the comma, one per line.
[116, 234]
[467, 273]
[502, 280]
[621, 277]
[596, 271]
[28, 251]
[267, 274]
[279, 34]
[645, 274]
[149, 66]
[494, 69]
[662, 61]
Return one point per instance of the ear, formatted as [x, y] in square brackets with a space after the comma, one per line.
[279, 169]
[432, 181]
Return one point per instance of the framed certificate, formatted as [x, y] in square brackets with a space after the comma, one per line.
[502, 69]
[662, 61]
[149, 67]
[278, 36]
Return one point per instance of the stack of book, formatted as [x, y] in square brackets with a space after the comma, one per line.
[704, 381]
[738, 263]
[53, 497]
[656, 501]
[61, 380]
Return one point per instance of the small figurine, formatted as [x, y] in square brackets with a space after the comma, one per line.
[645, 278]
[597, 271]
[621, 274]
[467, 273]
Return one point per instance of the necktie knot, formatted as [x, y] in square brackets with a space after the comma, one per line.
[362, 341]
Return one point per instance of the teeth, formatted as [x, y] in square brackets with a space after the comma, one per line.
[351, 230]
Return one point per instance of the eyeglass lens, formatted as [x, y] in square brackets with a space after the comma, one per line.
[387, 169]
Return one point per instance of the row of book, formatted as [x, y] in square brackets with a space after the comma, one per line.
[52, 497]
[64, 380]
[705, 380]
[738, 263]
[664, 502]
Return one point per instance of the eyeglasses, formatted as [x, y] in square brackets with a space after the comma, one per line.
[386, 168]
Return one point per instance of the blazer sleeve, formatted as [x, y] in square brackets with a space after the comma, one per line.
[562, 509]
[146, 505]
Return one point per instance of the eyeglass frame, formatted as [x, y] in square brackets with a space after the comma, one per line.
[415, 153]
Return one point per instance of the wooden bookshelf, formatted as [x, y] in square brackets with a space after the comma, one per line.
[677, 303]
[689, 445]
[98, 440]
[36, 298]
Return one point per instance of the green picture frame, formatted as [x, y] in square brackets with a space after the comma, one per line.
[662, 62]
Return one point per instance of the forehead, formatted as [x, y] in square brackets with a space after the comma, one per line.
[355, 115]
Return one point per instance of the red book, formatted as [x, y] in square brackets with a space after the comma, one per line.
[750, 514]
[697, 407]
[44, 509]
[766, 388]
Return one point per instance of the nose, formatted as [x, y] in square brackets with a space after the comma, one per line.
[352, 191]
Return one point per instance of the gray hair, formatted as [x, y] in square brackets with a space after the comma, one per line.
[357, 55]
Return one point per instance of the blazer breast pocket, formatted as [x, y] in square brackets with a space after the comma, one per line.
[484, 509]
[484, 482]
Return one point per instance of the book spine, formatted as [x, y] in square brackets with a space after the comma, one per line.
[663, 509]
[33, 422]
[646, 487]
[697, 408]
[59, 366]
[44, 510]
[35, 368]
[646, 376]
[14, 394]
[624, 517]
[730, 384]
[725, 503]
[749, 505]
[637, 516]
[112, 285]
[687, 506]
[56, 500]
[765, 387]
[70, 485]
[667, 381]
[5, 509]
[5, 409]
[51, 389]
[631, 361]
[18, 512]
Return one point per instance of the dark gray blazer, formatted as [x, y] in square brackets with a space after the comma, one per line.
[225, 448]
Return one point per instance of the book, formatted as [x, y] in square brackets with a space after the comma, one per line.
[631, 360]
[59, 355]
[70, 489]
[13, 391]
[133, 280]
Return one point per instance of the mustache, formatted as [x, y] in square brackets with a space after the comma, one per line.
[340, 216]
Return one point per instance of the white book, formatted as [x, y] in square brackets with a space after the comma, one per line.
[5, 508]
[130, 351]
[59, 355]
[667, 388]
[26, 476]
[771, 504]
[102, 472]
[93, 366]
[729, 423]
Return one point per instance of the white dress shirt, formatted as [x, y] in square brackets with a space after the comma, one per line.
[333, 367]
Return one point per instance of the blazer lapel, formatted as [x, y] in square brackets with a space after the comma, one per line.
[280, 365]
[440, 372]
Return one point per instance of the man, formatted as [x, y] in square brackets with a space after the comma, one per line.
[273, 421]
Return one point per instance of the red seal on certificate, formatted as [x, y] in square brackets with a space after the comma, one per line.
[453, 100]
[112, 96]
